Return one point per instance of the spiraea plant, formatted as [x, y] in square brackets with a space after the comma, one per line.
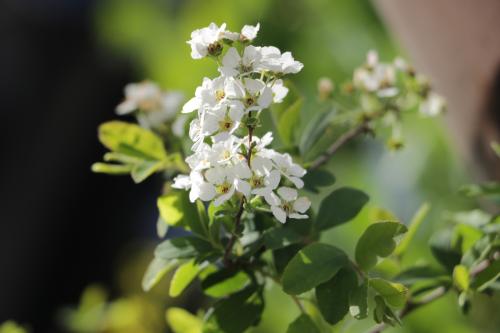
[238, 182]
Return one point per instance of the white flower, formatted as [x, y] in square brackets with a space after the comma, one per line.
[221, 184]
[274, 61]
[224, 152]
[287, 205]
[233, 64]
[206, 41]
[291, 171]
[263, 181]
[279, 91]
[433, 105]
[209, 93]
[222, 120]
[182, 182]
[376, 77]
[249, 32]
[254, 94]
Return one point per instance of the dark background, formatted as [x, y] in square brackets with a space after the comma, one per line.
[61, 227]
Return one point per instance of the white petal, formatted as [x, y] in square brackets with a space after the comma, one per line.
[298, 216]
[299, 183]
[287, 193]
[249, 32]
[266, 97]
[243, 187]
[191, 105]
[215, 175]
[207, 192]
[182, 182]
[279, 91]
[232, 58]
[272, 199]
[274, 179]
[225, 197]
[302, 204]
[279, 213]
[126, 106]
[253, 86]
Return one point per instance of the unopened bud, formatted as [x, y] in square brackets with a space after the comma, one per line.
[325, 88]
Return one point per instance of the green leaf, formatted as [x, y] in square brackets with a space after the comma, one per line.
[144, 169]
[394, 294]
[487, 276]
[441, 247]
[465, 236]
[111, 169]
[239, 311]
[333, 295]
[418, 273]
[315, 179]
[303, 324]
[181, 321]
[340, 206]
[377, 241]
[282, 257]
[415, 223]
[314, 130]
[177, 210]
[311, 266]
[156, 271]
[461, 277]
[287, 115]
[131, 139]
[182, 248]
[358, 300]
[224, 282]
[183, 276]
[496, 148]
[280, 237]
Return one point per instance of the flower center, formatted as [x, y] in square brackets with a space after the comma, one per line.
[225, 125]
[287, 207]
[249, 101]
[223, 188]
[214, 49]
[219, 95]
[226, 154]
[257, 181]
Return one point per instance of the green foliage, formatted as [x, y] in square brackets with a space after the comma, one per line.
[183, 276]
[302, 324]
[339, 207]
[377, 241]
[181, 321]
[333, 295]
[11, 327]
[287, 115]
[394, 294]
[156, 271]
[311, 266]
[137, 151]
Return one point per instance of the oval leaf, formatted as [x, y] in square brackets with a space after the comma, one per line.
[393, 293]
[156, 271]
[333, 295]
[377, 241]
[183, 276]
[339, 207]
[311, 266]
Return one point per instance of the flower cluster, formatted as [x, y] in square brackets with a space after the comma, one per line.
[152, 106]
[381, 79]
[226, 164]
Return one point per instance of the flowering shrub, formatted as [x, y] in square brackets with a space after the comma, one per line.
[245, 204]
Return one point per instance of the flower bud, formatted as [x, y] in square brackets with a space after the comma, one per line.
[325, 88]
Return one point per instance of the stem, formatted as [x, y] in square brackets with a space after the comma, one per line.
[295, 299]
[234, 236]
[227, 253]
[352, 133]
[412, 306]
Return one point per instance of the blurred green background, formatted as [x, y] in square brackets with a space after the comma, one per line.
[330, 38]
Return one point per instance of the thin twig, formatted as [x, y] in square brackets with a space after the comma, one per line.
[295, 299]
[352, 133]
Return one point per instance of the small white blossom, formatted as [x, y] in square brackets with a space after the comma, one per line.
[279, 91]
[222, 120]
[210, 93]
[234, 64]
[293, 172]
[433, 105]
[274, 61]
[156, 107]
[376, 77]
[249, 32]
[287, 205]
[254, 94]
[207, 40]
